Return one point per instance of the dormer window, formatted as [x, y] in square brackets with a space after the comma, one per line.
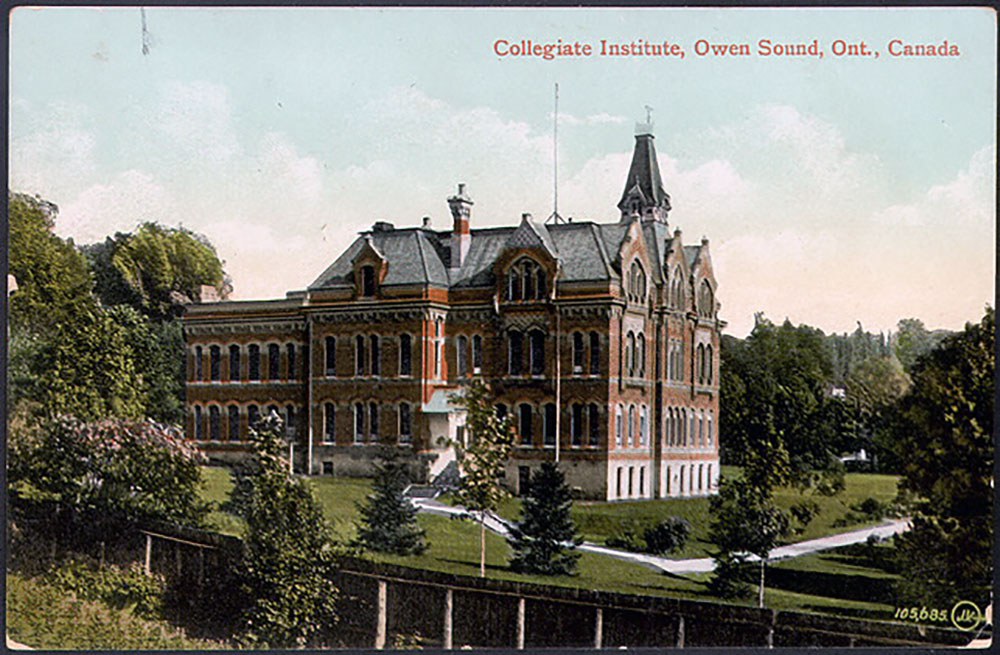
[367, 281]
[526, 281]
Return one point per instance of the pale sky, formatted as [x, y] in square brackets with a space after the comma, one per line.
[833, 190]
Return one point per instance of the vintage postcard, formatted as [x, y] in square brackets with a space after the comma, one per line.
[395, 328]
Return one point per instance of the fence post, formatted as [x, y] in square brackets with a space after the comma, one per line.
[598, 627]
[520, 623]
[380, 628]
[680, 632]
[149, 554]
[448, 605]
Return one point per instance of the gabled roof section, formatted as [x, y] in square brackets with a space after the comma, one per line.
[411, 256]
[644, 181]
[530, 234]
[691, 255]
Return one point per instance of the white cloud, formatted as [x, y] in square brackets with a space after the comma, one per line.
[118, 205]
[602, 118]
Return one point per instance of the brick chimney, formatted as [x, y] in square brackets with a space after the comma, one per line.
[461, 233]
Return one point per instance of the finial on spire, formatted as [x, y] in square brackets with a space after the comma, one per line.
[649, 114]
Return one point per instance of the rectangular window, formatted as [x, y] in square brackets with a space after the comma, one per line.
[214, 423]
[550, 424]
[376, 355]
[405, 355]
[462, 356]
[290, 348]
[234, 423]
[359, 423]
[215, 363]
[405, 423]
[631, 476]
[331, 356]
[235, 374]
[618, 428]
[359, 355]
[477, 354]
[373, 420]
[327, 468]
[330, 423]
[618, 484]
[199, 366]
[367, 281]
[254, 362]
[537, 353]
[595, 425]
[577, 352]
[595, 353]
[199, 427]
[525, 425]
[576, 429]
[273, 361]
[515, 353]
[642, 481]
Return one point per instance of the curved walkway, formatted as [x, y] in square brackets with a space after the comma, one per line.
[700, 565]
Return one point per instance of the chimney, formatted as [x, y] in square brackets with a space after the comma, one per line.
[461, 234]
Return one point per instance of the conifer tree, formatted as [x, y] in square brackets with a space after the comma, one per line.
[545, 539]
[388, 521]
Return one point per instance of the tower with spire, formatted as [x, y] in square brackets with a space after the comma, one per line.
[644, 195]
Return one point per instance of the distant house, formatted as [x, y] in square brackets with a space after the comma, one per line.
[603, 337]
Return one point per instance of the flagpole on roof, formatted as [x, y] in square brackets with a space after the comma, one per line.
[555, 217]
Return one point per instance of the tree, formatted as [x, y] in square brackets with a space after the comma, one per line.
[945, 444]
[88, 481]
[667, 536]
[388, 520]
[874, 386]
[482, 460]
[288, 561]
[913, 341]
[544, 541]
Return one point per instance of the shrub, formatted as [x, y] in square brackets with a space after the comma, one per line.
[625, 540]
[871, 508]
[119, 588]
[667, 536]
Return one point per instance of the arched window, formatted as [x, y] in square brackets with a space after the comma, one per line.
[577, 352]
[706, 300]
[640, 346]
[199, 365]
[524, 423]
[234, 423]
[215, 363]
[462, 355]
[678, 289]
[619, 428]
[329, 423]
[526, 280]
[376, 350]
[594, 424]
[405, 355]
[595, 353]
[643, 426]
[683, 427]
[330, 355]
[199, 425]
[405, 423]
[701, 364]
[273, 361]
[550, 424]
[373, 420]
[515, 352]
[477, 354]
[359, 423]
[367, 281]
[630, 442]
[576, 424]
[235, 375]
[637, 283]
[537, 338]
[253, 362]
[438, 344]
[359, 355]
[290, 355]
[630, 354]
[214, 423]
[253, 416]
[708, 431]
[709, 365]
[701, 429]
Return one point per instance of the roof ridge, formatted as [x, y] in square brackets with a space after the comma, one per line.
[423, 257]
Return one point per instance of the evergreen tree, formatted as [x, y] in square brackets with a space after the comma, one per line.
[545, 539]
[288, 563]
[388, 519]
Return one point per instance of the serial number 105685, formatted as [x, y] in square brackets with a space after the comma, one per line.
[921, 614]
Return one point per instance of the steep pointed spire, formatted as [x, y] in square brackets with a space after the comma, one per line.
[644, 193]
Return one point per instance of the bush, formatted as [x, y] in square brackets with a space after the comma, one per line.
[625, 540]
[871, 508]
[667, 536]
[119, 588]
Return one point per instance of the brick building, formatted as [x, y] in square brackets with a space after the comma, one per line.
[373, 349]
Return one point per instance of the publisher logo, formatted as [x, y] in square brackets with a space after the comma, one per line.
[966, 615]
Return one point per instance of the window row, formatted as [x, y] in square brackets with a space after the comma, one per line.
[692, 479]
[584, 423]
[260, 364]
[705, 364]
[526, 280]
[366, 421]
[631, 426]
[627, 487]
[516, 352]
[368, 355]
[635, 355]
[580, 344]
[675, 360]
[689, 427]
[216, 423]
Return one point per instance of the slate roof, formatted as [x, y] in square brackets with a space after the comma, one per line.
[644, 173]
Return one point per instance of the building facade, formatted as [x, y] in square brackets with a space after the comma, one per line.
[599, 340]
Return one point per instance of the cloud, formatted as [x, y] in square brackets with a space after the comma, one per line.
[602, 118]
[51, 148]
[130, 198]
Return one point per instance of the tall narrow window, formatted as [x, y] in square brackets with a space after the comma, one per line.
[529, 283]
[199, 426]
[215, 363]
[540, 287]
[330, 350]
[214, 423]
[405, 423]
[537, 352]
[576, 424]
[642, 481]
[550, 424]
[367, 281]
[709, 428]
[643, 426]
[405, 355]
[577, 352]
[462, 355]
[290, 420]
[630, 354]
[631, 426]
[199, 365]
[290, 356]
[253, 362]
[619, 428]
[359, 423]
[525, 424]
[709, 365]
[373, 420]
[477, 354]
[376, 355]
[235, 375]
[234, 423]
[359, 355]
[273, 361]
[595, 353]
[515, 352]
[438, 341]
[594, 425]
[329, 423]
[513, 286]
[640, 346]
[253, 416]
